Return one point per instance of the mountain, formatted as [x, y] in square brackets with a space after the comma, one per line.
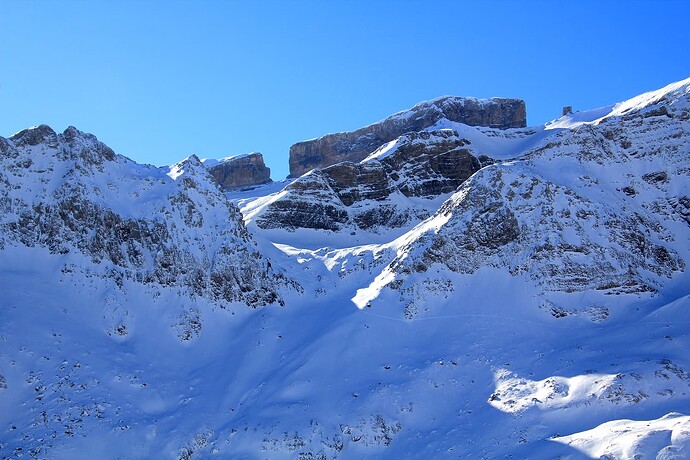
[74, 197]
[459, 291]
[500, 113]
[383, 191]
[239, 171]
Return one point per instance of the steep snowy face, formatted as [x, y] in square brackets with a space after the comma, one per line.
[650, 103]
[72, 194]
[600, 208]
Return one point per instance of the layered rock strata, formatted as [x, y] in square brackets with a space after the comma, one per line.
[373, 194]
[241, 171]
[354, 146]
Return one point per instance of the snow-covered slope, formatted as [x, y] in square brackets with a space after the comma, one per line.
[71, 194]
[599, 208]
[541, 310]
[659, 100]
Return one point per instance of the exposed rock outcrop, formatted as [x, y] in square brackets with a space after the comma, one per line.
[355, 146]
[241, 171]
[41, 134]
[373, 193]
[608, 219]
[516, 220]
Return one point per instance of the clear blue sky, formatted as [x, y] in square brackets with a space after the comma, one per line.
[160, 80]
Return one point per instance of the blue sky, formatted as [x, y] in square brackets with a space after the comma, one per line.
[158, 81]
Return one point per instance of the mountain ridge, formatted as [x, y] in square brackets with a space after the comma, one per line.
[535, 306]
[354, 146]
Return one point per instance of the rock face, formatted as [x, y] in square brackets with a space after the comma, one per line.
[599, 207]
[73, 195]
[354, 146]
[374, 194]
[241, 171]
[509, 218]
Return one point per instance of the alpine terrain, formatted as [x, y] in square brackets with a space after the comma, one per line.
[445, 283]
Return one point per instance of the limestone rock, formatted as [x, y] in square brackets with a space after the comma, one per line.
[369, 195]
[528, 218]
[241, 171]
[354, 146]
[309, 202]
[429, 163]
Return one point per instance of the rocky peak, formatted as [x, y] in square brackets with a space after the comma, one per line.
[41, 134]
[240, 171]
[87, 147]
[130, 220]
[356, 145]
[191, 178]
[83, 148]
[190, 166]
[72, 133]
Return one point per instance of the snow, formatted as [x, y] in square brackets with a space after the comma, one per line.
[667, 437]
[669, 92]
[381, 152]
[176, 171]
[575, 119]
[365, 295]
[255, 206]
[481, 370]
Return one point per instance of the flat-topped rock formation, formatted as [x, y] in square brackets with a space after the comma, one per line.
[240, 171]
[354, 146]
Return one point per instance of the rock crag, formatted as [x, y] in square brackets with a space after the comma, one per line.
[354, 146]
[241, 171]
[370, 195]
[71, 194]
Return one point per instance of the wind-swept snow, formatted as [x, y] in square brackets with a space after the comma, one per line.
[668, 94]
[664, 438]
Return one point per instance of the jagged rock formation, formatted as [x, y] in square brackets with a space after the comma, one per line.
[370, 195]
[71, 193]
[354, 146]
[240, 171]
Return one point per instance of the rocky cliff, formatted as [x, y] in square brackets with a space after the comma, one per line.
[598, 207]
[378, 193]
[354, 146]
[240, 171]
